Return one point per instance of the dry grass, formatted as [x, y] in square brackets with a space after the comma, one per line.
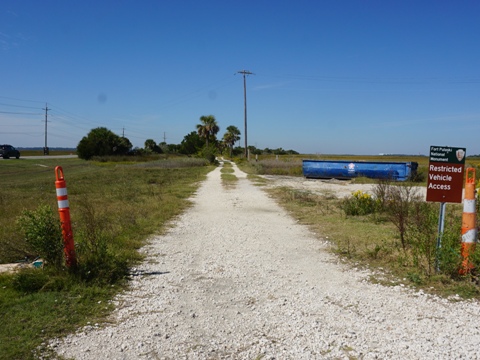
[372, 240]
[291, 165]
[116, 204]
[227, 176]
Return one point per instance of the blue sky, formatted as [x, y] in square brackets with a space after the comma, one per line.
[331, 77]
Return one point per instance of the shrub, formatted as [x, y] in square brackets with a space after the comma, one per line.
[397, 204]
[43, 234]
[360, 203]
[29, 280]
[422, 236]
[209, 153]
[97, 262]
[101, 142]
[448, 255]
[380, 191]
[101, 267]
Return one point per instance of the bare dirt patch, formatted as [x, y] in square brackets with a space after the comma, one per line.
[327, 187]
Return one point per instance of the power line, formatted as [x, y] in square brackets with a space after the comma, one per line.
[20, 106]
[62, 136]
[22, 133]
[75, 118]
[69, 123]
[16, 125]
[407, 80]
[9, 98]
[18, 113]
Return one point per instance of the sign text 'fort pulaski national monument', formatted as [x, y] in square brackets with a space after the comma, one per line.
[445, 174]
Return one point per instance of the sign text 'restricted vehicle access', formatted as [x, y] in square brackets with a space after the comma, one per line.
[445, 174]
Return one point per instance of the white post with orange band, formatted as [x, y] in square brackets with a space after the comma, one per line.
[469, 222]
[64, 212]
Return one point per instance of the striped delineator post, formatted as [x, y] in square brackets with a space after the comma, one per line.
[469, 222]
[64, 212]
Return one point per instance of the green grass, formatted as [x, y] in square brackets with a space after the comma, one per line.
[371, 240]
[227, 175]
[291, 165]
[368, 241]
[125, 203]
[29, 319]
[130, 201]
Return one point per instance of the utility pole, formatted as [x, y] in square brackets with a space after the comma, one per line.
[123, 132]
[164, 137]
[45, 149]
[245, 72]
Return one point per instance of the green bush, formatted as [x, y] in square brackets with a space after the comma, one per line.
[102, 142]
[449, 257]
[360, 203]
[398, 205]
[29, 280]
[101, 267]
[421, 235]
[43, 234]
[97, 263]
[209, 153]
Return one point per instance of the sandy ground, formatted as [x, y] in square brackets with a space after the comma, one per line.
[338, 188]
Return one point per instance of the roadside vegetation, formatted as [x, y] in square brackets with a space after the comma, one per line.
[291, 164]
[121, 197]
[392, 231]
[115, 206]
[227, 175]
[118, 199]
[39, 152]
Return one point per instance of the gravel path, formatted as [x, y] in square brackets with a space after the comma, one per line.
[237, 278]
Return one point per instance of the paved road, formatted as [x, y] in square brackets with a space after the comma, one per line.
[46, 157]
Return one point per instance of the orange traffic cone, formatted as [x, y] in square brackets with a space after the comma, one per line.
[469, 222]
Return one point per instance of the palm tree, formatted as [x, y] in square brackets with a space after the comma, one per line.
[208, 128]
[231, 137]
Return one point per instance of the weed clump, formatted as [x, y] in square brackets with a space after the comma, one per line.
[360, 203]
[97, 262]
[43, 234]
[392, 229]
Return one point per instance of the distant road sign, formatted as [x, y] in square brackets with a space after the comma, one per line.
[445, 174]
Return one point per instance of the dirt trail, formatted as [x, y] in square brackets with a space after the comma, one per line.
[237, 278]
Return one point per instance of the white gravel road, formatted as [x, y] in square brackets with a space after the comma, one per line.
[237, 278]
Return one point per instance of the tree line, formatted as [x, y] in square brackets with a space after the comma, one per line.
[103, 142]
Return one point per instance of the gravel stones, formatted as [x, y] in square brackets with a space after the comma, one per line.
[237, 278]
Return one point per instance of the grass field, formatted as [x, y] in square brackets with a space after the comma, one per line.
[122, 204]
[227, 176]
[373, 240]
[125, 203]
[291, 165]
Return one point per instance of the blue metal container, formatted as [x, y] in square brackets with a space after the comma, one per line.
[338, 169]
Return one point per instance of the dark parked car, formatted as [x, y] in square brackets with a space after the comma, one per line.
[8, 151]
